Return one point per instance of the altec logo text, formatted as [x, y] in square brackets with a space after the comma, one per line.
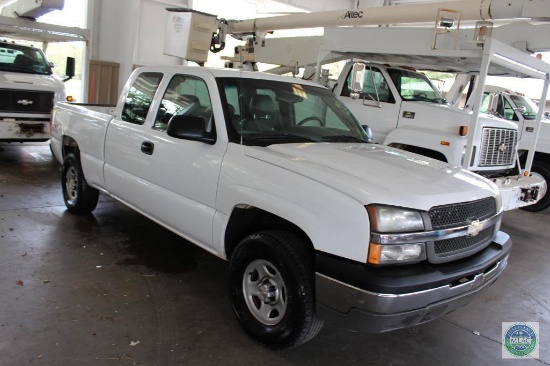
[352, 15]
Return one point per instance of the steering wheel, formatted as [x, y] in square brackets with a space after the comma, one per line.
[421, 95]
[312, 118]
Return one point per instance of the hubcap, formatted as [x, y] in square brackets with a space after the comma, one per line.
[71, 185]
[264, 292]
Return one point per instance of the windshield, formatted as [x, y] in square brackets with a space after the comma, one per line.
[16, 58]
[528, 108]
[264, 112]
[413, 86]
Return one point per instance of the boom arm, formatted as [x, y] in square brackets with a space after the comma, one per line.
[411, 13]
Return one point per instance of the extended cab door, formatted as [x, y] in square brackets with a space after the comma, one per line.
[175, 180]
[376, 106]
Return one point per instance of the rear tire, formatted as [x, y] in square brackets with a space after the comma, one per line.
[271, 286]
[543, 169]
[79, 197]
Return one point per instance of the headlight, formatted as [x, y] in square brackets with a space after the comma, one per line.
[389, 220]
[386, 219]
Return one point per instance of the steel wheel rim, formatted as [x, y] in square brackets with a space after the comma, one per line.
[265, 292]
[71, 185]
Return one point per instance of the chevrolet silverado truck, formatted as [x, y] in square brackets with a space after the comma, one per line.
[277, 177]
[28, 91]
[404, 110]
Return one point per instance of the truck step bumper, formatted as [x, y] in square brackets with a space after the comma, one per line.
[518, 191]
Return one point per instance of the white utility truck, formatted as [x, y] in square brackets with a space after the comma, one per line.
[317, 223]
[523, 111]
[28, 91]
[28, 86]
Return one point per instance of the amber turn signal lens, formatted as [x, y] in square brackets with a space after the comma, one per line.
[69, 98]
[374, 253]
[463, 131]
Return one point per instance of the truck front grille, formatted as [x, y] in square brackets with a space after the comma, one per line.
[498, 147]
[25, 101]
[446, 247]
[460, 214]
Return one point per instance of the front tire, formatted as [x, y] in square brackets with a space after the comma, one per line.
[543, 169]
[79, 197]
[271, 286]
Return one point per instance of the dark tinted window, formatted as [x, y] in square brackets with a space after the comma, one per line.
[140, 96]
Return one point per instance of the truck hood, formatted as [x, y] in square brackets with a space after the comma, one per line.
[446, 115]
[378, 174]
[22, 81]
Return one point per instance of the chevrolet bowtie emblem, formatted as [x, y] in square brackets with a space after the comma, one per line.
[474, 228]
[502, 147]
[25, 102]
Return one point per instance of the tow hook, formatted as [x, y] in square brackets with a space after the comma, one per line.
[529, 194]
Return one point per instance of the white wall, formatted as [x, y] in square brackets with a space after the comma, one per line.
[130, 32]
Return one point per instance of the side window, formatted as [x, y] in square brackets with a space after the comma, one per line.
[508, 109]
[232, 97]
[185, 95]
[375, 87]
[140, 96]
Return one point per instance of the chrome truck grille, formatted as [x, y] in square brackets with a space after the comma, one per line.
[498, 147]
[456, 215]
[26, 101]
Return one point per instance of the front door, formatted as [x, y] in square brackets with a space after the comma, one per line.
[376, 106]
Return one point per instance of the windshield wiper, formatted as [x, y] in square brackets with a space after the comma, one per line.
[342, 138]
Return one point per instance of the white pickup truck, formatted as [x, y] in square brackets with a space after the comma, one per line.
[28, 91]
[404, 110]
[276, 176]
[522, 111]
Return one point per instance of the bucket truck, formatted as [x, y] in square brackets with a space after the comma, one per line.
[523, 111]
[28, 86]
[416, 122]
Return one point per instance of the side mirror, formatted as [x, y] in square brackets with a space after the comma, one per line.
[368, 132]
[357, 79]
[492, 106]
[190, 128]
[69, 69]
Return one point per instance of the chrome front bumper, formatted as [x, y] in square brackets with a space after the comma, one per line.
[356, 309]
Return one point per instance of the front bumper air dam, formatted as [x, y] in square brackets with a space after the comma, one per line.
[347, 306]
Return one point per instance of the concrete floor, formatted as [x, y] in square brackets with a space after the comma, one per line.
[81, 290]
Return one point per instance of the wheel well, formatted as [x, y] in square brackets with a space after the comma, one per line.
[69, 145]
[421, 151]
[539, 156]
[246, 220]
